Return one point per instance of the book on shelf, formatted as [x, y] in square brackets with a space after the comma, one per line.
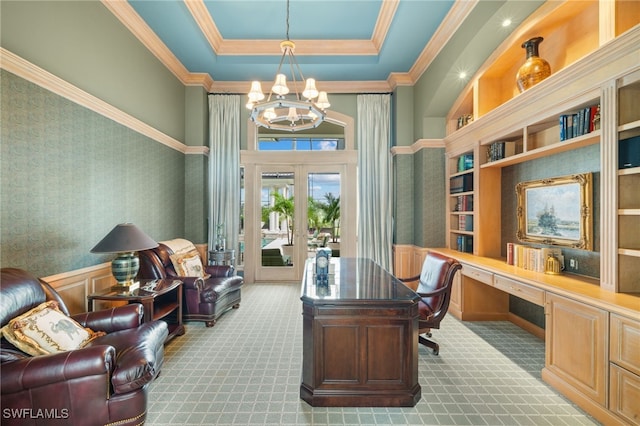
[464, 243]
[502, 149]
[531, 258]
[465, 222]
[462, 183]
[579, 123]
[464, 203]
[465, 162]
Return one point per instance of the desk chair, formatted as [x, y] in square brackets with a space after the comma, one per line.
[434, 289]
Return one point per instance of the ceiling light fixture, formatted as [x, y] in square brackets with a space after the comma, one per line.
[291, 113]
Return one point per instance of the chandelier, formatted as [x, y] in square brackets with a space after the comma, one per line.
[283, 110]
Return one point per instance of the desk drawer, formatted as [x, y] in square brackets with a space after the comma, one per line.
[523, 291]
[625, 343]
[624, 394]
[477, 274]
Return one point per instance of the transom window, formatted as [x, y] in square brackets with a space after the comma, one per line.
[300, 144]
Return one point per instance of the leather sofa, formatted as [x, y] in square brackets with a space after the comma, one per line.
[205, 299]
[104, 382]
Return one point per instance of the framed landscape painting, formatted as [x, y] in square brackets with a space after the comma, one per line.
[556, 211]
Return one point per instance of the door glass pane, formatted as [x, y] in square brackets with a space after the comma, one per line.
[323, 212]
[277, 219]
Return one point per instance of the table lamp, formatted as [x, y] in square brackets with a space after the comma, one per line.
[125, 239]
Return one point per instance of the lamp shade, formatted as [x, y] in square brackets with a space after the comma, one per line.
[125, 237]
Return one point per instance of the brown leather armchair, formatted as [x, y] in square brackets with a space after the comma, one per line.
[203, 299]
[105, 382]
[435, 283]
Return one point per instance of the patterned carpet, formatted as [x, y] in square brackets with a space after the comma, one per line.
[246, 371]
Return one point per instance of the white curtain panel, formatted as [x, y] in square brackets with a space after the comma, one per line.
[375, 227]
[224, 168]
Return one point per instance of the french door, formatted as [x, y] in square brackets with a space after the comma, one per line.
[288, 215]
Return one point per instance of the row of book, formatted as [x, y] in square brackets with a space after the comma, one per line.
[465, 222]
[464, 243]
[531, 258]
[464, 203]
[502, 149]
[465, 162]
[582, 122]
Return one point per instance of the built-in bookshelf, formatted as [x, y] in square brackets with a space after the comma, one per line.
[570, 30]
[592, 47]
[595, 84]
[460, 221]
[629, 183]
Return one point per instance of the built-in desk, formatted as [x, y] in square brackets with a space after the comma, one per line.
[592, 336]
[360, 337]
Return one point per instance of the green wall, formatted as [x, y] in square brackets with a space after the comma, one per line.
[68, 174]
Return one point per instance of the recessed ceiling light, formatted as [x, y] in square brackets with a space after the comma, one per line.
[462, 75]
[506, 22]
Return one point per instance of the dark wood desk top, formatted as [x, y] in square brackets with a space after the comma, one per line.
[355, 280]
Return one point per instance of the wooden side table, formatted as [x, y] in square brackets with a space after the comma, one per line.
[162, 300]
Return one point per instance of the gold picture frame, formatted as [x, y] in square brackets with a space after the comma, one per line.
[556, 211]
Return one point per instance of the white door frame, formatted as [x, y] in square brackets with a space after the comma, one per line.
[301, 164]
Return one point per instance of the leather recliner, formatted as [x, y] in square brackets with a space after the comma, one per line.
[104, 382]
[203, 299]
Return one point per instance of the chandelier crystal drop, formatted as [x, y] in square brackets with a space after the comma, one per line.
[286, 109]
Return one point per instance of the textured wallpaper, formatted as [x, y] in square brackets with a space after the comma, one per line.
[68, 175]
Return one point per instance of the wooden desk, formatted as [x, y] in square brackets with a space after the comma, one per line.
[360, 338]
[591, 335]
[164, 302]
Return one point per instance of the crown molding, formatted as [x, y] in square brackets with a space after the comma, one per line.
[450, 24]
[328, 86]
[417, 146]
[383, 23]
[134, 23]
[36, 75]
[222, 46]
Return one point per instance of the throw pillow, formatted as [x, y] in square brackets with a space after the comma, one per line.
[188, 264]
[46, 330]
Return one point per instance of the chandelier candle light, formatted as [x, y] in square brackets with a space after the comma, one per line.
[291, 113]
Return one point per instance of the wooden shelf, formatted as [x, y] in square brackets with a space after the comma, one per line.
[629, 172]
[629, 252]
[570, 144]
[465, 172]
[457, 231]
[629, 212]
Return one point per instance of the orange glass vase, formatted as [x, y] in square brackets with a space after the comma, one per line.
[535, 69]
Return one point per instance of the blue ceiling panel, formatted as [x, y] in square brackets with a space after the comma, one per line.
[174, 25]
[308, 20]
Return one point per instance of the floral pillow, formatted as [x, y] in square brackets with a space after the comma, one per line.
[46, 330]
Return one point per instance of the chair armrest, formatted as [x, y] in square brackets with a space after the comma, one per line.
[192, 283]
[406, 280]
[433, 293]
[91, 363]
[114, 319]
[218, 271]
[143, 357]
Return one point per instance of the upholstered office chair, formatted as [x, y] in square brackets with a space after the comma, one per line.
[434, 289]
